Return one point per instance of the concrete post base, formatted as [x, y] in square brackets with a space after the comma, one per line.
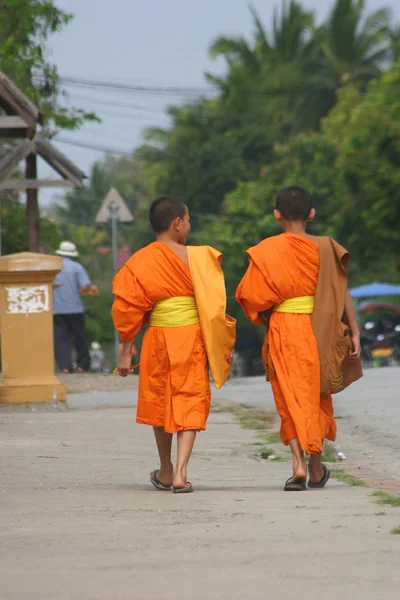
[32, 390]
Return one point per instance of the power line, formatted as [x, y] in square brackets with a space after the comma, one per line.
[132, 117]
[97, 147]
[106, 134]
[174, 89]
[119, 104]
[128, 87]
[159, 90]
[203, 119]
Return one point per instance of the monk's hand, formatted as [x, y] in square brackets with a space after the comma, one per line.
[356, 346]
[124, 365]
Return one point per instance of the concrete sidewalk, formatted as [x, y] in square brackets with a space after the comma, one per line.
[79, 519]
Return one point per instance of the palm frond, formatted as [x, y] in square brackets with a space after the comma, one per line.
[261, 36]
[377, 21]
[156, 134]
[224, 46]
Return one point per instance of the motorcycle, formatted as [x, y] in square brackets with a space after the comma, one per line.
[380, 343]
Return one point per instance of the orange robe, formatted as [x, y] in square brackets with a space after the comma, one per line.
[284, 267]
[174, 390]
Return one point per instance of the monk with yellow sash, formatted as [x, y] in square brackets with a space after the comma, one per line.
[179, 292]
[278, 291]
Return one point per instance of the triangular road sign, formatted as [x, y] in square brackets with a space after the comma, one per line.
[124, 215]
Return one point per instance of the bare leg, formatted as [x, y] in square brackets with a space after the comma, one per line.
[185, 446]
[164, 443]
[299, 464]
[315, 468]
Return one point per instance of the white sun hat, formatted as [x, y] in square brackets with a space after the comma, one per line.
[67, 249]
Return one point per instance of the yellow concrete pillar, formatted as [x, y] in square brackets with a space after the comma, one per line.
[26, 329]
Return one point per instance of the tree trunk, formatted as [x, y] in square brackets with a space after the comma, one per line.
[32, 206]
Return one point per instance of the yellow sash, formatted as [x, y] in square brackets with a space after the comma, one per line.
[174, 312]
[303, 305]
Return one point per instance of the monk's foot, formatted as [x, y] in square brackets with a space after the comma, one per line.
[316, 474]
[315, 468]
[299, 470]
[165, 475]
[180, 479]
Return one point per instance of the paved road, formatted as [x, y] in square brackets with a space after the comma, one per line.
[368, 415]
[371, 405]
[79, 519]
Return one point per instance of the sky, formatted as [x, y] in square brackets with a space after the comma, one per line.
[152, 43]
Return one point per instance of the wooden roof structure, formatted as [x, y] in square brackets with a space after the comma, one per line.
[71, 175]
[20, 123]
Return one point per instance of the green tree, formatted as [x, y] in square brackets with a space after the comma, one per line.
[247, 212]
[288, 44]
[299, 68]
[395, 42]
[76, 216]
[81, 205]
[204, 154]
[366, 133]
[351, 47]
[25, 27]
[263, 76]
[355, 45]
[75, 220]
[14, 236]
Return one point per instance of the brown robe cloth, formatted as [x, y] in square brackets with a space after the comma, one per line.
[332, 333]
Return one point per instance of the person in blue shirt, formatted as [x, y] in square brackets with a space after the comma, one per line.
[70, 284]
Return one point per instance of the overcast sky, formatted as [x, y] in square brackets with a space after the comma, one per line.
[158, 42]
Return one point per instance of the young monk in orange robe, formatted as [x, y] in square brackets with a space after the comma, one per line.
[156, 287]
[278, 288]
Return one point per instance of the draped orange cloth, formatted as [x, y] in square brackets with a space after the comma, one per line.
[174, 390]
[282, 267]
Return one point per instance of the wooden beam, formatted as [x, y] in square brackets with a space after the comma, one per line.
[10, 161]
[60, 163]
[34, 184]
[14, 102]
[32, 206]
[13, 127]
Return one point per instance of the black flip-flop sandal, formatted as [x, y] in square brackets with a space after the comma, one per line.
[185, 490]
[157, 484]
[323, 481]
[295, 485]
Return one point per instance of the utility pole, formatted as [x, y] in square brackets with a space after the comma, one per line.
[115, 210]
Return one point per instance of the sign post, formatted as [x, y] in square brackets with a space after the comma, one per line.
[114, 235]
[115, 210]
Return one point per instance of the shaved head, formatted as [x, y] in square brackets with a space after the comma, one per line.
[164, 210]
[294, 203]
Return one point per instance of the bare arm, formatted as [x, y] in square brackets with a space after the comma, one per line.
[350, 313]
[88, 289]
[124, 365]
